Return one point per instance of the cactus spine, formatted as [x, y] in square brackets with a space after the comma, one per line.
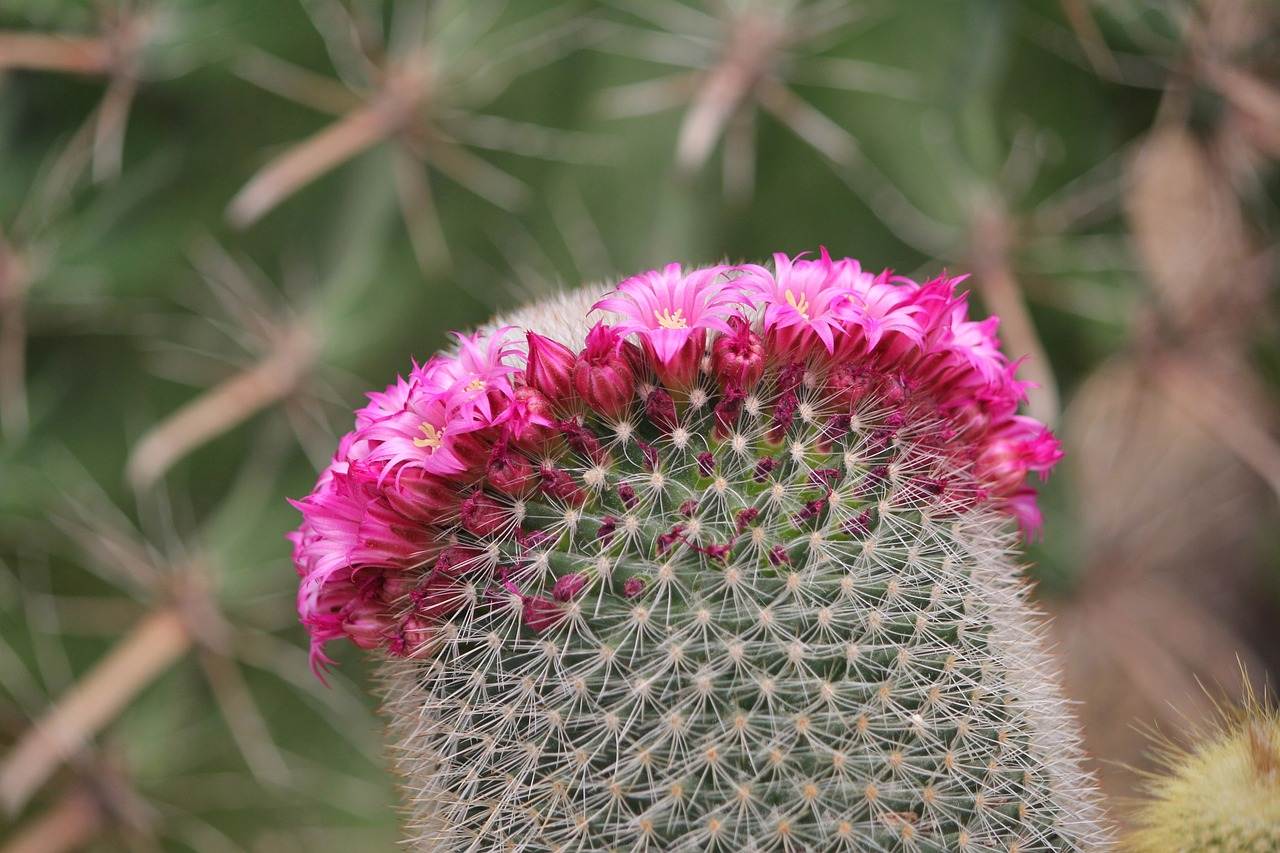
[761, 600]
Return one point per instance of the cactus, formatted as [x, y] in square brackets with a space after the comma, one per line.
[720, 561]
[1220, 796]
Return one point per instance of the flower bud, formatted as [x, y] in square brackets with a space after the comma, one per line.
[550, 368]
[570, 586]
[510, 473]
[423, 497]
[661, 410]
[541, 613]
[530, 424]
[482, 515]
[368, 626]
[603, 374]
[738, 359]
[557, 483]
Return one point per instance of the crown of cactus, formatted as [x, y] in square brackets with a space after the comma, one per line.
[719, 561]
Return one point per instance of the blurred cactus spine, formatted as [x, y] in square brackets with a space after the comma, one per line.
[1222, 794]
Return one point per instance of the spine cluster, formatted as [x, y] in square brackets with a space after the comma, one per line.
[725, 569]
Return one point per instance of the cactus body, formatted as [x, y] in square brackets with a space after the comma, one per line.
[773, 617]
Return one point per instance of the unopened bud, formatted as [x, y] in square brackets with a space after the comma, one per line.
[541, 613]
[603, 373]
[510, 473]
[482, 515]
[738, 358]
[660, 409]
[570, 586]
[550, 368]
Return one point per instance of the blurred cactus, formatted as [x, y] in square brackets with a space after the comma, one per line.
[1220, 795]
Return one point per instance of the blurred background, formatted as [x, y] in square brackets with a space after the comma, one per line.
[223, 221]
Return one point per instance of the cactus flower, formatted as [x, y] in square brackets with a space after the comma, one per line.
[671, 312]
[738, 576]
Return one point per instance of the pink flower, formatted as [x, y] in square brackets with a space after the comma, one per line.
[427, 433]
[671, 311]
[802, 300]
[476, 379]
[877, 305]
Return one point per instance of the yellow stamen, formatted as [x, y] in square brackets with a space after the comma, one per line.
[434, 438]
[476, 384]
[802, 306]
[667, 320]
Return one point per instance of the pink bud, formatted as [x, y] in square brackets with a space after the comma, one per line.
[510, 473]
[455, 560]
[482, 515]
[438, 596]
[570, 586]
[368, 627]
[660, 409]
[583, 441]
[603, 373]
[541, 613]
[422, 497]
[738, 358]
[727, 412]
[1003, 467]
[530, 424]
[472, 450]
[550, 368]
[633, 587]
[849, 384]
[558, 484]
[414, 639]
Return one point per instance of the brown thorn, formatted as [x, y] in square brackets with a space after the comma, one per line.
[991, 240]
[133, 663]
[71, 824]
[354, 133]
[248, 728]
[224, 406]
[1210, 402]
[109, 126]
[421, 218]
[807, 122]
[1090, 38]
[722, 92]
[14, 281]
[70, 54]
[297, 84]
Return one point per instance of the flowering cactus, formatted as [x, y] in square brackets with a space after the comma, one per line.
[716, 561]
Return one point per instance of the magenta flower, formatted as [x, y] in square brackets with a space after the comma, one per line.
[877, 306]
[424, 434]
[802, 300]
[671, 311]
[476, 379]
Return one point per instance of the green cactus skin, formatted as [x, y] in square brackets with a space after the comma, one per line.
[1220, 796]
[883, 689]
